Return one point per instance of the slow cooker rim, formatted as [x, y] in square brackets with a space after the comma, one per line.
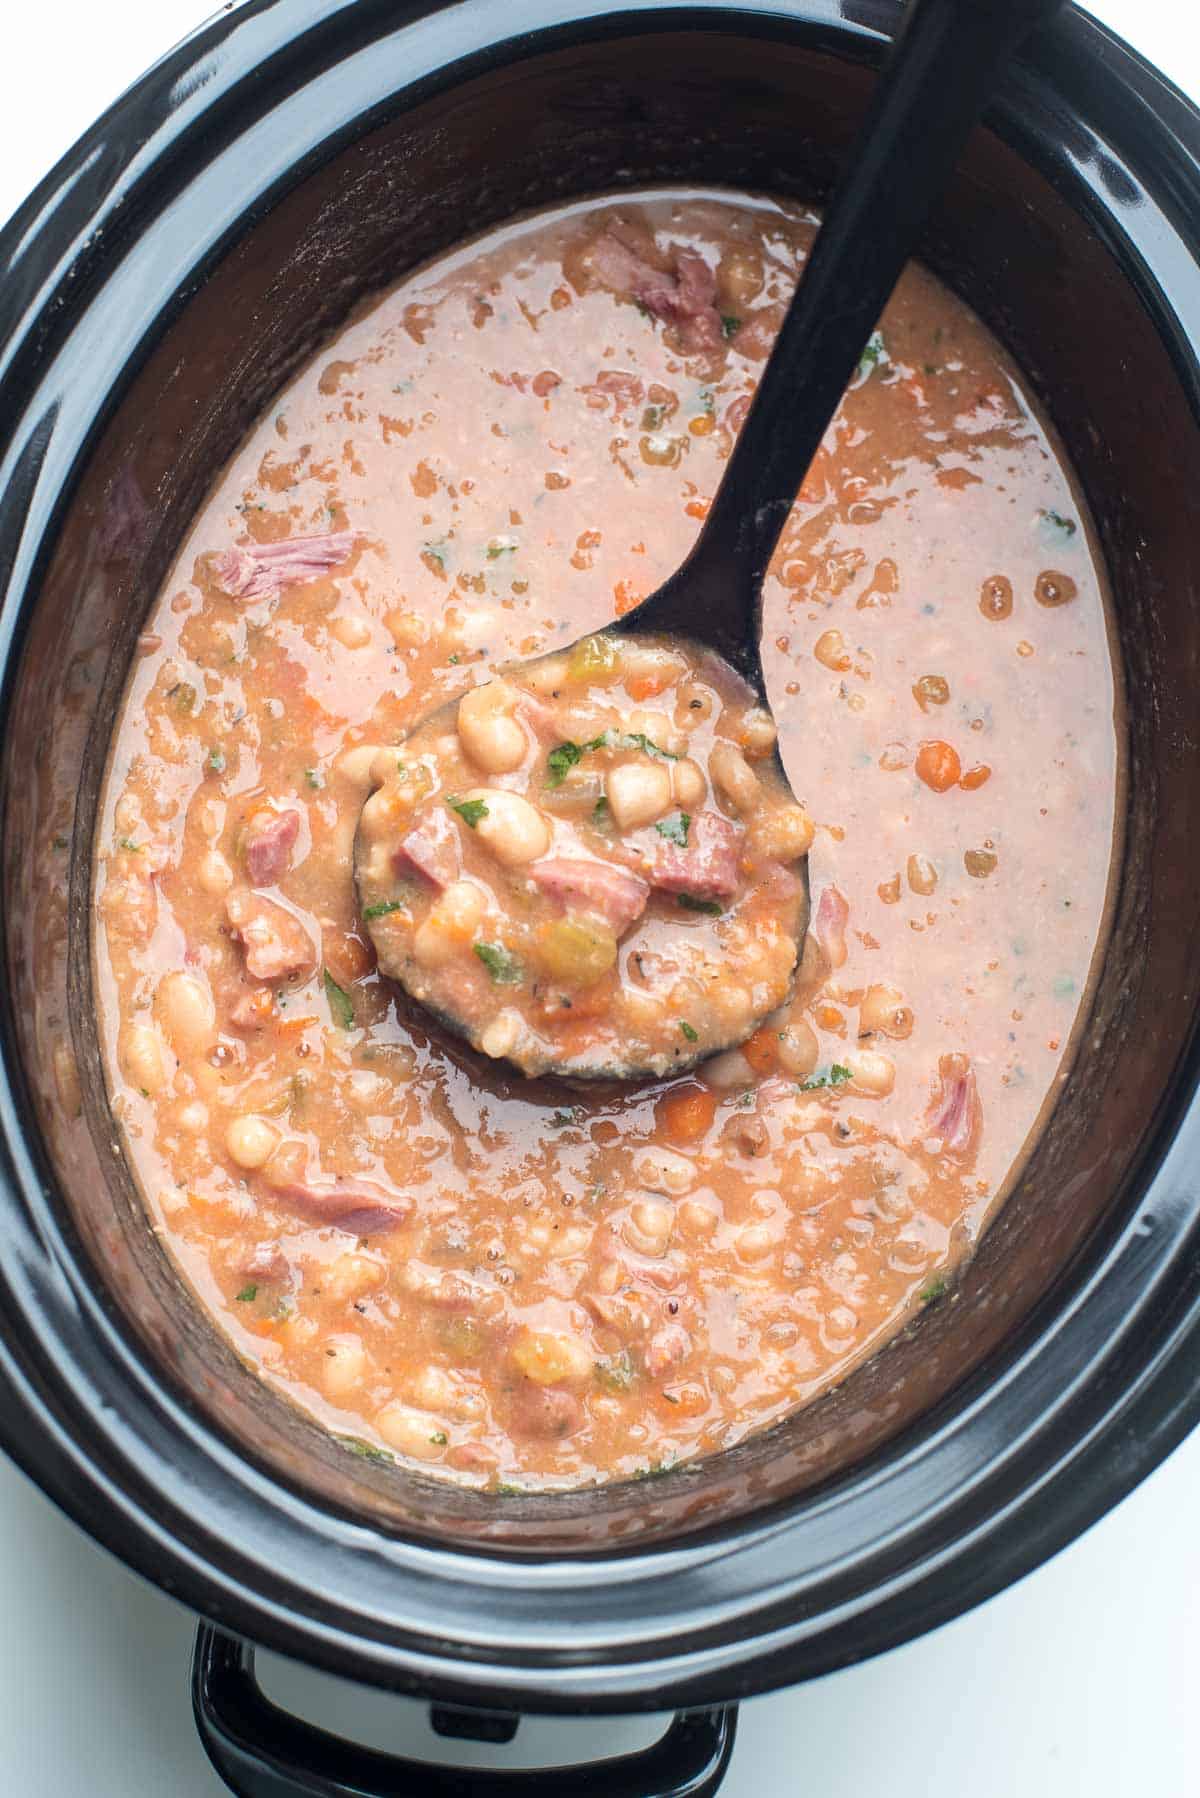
[1159, 1402]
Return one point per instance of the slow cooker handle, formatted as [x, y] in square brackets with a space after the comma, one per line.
[261, 1751]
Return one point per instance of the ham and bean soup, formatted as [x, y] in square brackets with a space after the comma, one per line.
[619, 897]
[525, 1282]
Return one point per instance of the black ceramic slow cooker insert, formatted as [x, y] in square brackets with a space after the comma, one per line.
[155, 292]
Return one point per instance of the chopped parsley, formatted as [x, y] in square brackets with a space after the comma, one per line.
[675, 828]
[340, 1002]
[436, 553]
[615, 1371]
[246, 1294]
[366, 1451]
[501, 546]
[562, 1119]
[128, 843]
[62, 843]
[837, 1076]
[935, 1290]
[706, 402]
[871, 354]
[564, 756]
[439, 1438]
[500, 963]
[1056, 528]
[730, 326]
[602, 816]
[216, 760]
[313, 779]
[692, 1035]
[710, 907]
[469, 810]
[654, 1471]
[652, 418]
[560, 761]
[383, 908]
[633, 740]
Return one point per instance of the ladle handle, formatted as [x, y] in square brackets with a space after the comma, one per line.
[938, 77]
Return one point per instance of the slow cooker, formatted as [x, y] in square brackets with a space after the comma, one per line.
[174, 270]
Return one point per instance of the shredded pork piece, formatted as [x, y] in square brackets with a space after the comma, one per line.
[955, 1113]
[358, 1206]
[261, 570]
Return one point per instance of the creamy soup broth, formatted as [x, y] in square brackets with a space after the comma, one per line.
[518, 1283]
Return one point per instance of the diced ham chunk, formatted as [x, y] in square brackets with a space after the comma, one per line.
[267, 1261]
[829, 926]
[431, 850]
[610, 893]
[683, 296]
[261, 570]
[358, 1206]
[270, 838]
[545, 1411]
[276, 945]
[955, 1113]
[707, 868]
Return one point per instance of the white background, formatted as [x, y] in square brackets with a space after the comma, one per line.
[1081, 1680]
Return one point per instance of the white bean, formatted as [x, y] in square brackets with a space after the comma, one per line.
[658, 728]
[798, 1048]
[415, 1433]
[758, 734]
[548, 1356]
[502, 1035]
[733, 774]
[873, 1074]
[755, 1242]
[663, 1170]
[141, 1057]
[250, 1140]
[351, 631]
[488, 730]
[435, 1389]
[695, 1218]
[350, 1276]
[214, 875]
[649, 1225]
[185, 1009]
[343, 1365]
[356, 766]
[884, 1012]
[512, 829]
[452, 921]
[688, 785]
[784, 833]
[638, 793]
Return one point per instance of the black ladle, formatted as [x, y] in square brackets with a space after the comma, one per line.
[939, 76]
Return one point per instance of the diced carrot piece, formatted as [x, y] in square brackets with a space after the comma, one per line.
[697, 508]
[938, 765]
[762, 1050]
[293, 1026]
[686, 1114]
[975, 777]
[649, 685]
[626, 597]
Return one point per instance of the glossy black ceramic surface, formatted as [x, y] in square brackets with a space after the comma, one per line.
[154, 293]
